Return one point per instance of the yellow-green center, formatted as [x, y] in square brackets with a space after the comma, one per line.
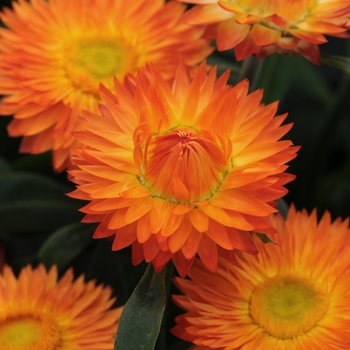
[91, 61]
[289, 306]
[294, 10]
[29, 332]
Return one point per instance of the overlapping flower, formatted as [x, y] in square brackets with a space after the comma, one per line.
[176, 172]
[293, 295]
[54, 54]
[39, 312]
[264, 27]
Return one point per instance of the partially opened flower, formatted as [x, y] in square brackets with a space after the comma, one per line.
[39, 312]
[180, 171]
[260, 28]
[294, 295]
[54, 54]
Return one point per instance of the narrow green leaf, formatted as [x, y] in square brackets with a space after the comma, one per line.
[339, 62]
[30, 203]
[251, 70]
[65, 244]
[277, 75]
[265, 238]
[282, 207]
[224, 62]
[142, 315]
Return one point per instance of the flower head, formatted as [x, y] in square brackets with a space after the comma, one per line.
[54, 54]
[264, 27]
[180, 171]
[38, 312]
[293, 295]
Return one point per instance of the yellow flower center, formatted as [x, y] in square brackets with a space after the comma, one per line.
[29, 331]
[292, 11]
[287, 306]
[91, 61]
[183, 166]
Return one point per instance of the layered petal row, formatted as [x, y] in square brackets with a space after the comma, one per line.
[263, 27]
[182, 170]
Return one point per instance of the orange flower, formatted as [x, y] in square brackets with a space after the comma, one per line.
[37, 312]
[264, 27]
[54, 54]
[294, 295]
[182, 171]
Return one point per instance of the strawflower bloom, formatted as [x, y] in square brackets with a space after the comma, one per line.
[180, 171]
[260, 28]
[292, 296]
[39, 312]
[54, 54]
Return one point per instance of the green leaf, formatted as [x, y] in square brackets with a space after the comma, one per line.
[339, 62]
[277, 75]
[251, 70]
[282, 207]
[30, 202]
[225, 61]
[265, 238]
[142, 315]
[65, 244]
[281, 73]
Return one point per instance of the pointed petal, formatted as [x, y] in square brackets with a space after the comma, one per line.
[179, 237]
[263, 36]
[124, 237]
[199, 220]
[161, 210]
[150, 248]
[230, 34]
[205, 14]
[218, 233]
[143, 231]
[227, 217]
[190, 247]
[138, 208]
[208, 253]
[241, 202]
[242, 240]
[182, 264]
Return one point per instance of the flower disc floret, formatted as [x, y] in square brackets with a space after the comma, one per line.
[292, 295]
[55, 53]
[183, 170]
[40, 312]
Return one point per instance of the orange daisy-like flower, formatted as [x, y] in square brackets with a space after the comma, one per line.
[37, 312]
[180, 171]
[54, 54]
[264, 27]
[294, 295]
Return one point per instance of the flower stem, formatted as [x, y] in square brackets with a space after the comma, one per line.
[251, 69]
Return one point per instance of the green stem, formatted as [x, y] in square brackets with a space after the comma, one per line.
[251, 69]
